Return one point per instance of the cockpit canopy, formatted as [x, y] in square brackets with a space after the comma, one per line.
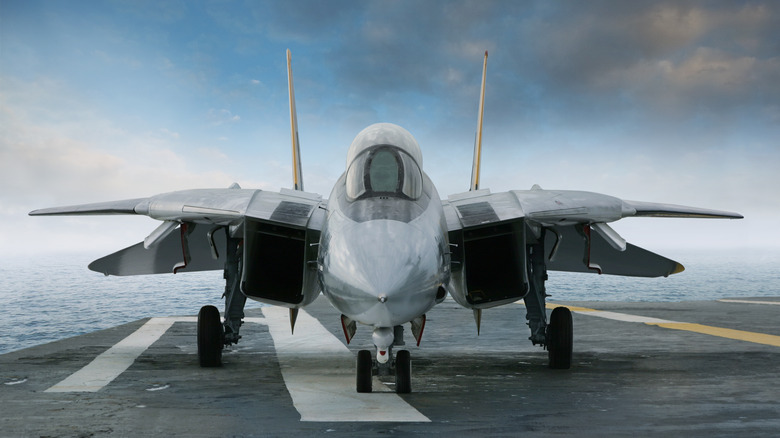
[384, 170]
[383, 160]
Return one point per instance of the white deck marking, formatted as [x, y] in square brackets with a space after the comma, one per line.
[625, 317]
[114, 361]
[319, 372]
[773, 303]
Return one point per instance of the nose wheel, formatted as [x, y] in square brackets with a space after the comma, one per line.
[401, 367]
[403, 372]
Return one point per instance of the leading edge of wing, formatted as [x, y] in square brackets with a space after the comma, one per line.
[652, 209]
[127, 206]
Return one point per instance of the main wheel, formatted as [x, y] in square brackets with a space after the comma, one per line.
[560, 338]
[210, 337]
[364, 365]
[403, 372]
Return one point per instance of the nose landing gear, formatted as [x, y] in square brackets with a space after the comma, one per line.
[384, 364]
[400, 366]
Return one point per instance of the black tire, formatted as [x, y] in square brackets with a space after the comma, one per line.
[210, 337]
[364, 365]
[403, 372]
[560, 338]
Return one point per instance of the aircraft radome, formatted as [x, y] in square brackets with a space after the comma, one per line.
[384, 248]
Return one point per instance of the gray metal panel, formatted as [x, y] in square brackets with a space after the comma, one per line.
[568, 206]
[451, 215]
[634, 261]
[477, 213]
[651, 209]
[293, 213]
[113, 207]
[286, 207]
[480, 207]
[221, 206]
[163, 257]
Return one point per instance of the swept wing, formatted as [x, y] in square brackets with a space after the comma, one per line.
[189, 239]
[574, 224]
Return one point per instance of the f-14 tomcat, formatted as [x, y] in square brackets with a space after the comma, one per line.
[384, 248]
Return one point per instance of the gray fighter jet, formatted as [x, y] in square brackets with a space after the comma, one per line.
[384, 248]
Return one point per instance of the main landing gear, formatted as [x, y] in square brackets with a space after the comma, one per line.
[213, 334]
[557, 335]
[560, 339]
[210, 337]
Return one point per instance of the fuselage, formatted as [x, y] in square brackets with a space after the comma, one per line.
[383, 254]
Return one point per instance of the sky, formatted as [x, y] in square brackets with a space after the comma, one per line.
[675, 102]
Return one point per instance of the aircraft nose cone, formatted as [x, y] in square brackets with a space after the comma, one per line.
[382, 272]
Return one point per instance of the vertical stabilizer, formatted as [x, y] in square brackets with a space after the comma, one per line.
[296, 147]
[478, 139]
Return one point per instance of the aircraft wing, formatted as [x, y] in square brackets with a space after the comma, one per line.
[650, 209]
[574, 226]
[199, 216]
[101, 208]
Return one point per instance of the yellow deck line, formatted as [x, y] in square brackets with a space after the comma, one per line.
[740, 335]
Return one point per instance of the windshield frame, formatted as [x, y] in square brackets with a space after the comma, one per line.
[359, 177]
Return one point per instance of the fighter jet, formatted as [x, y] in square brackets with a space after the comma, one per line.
[384, 248]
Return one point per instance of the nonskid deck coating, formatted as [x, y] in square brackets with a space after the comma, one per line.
[626, 378]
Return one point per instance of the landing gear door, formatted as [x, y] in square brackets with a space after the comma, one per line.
[494, 261]
[281, 233]
[487, 235]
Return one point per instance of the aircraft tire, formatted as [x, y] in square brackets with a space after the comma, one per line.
[403, 372]
[560, 337]
[210, 337]
[364, 366]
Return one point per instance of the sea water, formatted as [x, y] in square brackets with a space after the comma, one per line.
[46, 298]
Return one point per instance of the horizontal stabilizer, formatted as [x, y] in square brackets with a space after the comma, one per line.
[651, 209]
[166, 255]
[570, 253]
[113, 207]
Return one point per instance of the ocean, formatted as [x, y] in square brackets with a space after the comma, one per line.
[52, 297]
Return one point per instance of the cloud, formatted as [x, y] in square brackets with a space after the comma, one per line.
[169, 133]
[222, 116]
[647, 99]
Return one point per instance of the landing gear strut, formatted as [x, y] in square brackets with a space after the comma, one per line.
[557, 335]
[213, 334]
